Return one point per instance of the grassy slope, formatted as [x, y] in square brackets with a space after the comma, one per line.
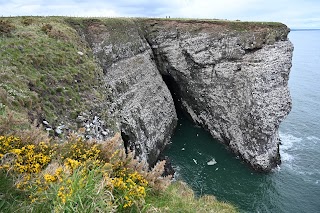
[42, 75]
[179, 198]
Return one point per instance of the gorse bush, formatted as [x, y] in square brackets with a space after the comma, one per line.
[27, 21]
[78, 176]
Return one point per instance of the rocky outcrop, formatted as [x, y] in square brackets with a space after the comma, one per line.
[231, 79]
[140, 102]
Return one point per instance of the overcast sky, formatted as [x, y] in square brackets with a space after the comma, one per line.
[294, 13]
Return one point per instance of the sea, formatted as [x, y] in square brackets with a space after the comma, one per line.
[293, 187]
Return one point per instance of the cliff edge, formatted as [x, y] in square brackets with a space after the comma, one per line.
[230, 77]
[110, 75]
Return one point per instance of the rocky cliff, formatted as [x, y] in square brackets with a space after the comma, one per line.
[230, 77]
[140, 102]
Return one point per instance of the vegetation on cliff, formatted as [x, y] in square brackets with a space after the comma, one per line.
[81, 176]
[48, 73]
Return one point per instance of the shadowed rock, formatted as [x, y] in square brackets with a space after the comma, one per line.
[230, 77]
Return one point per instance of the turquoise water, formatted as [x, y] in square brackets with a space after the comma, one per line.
[295, 185]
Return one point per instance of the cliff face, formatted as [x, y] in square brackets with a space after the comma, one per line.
[231, 79]
[140, 102]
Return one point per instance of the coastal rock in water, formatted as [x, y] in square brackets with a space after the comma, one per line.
[230, 77]
[232, 80]
[212, 162]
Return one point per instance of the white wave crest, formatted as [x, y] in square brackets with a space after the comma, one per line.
[288, 144]
[313, 138]
[288, 141]
[286, 157]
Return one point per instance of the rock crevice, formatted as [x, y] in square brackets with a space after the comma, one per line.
[231, 78]
[233, 83]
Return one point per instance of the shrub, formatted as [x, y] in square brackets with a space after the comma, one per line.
[46, 28]
[27, 21]
[77, 175]
[6, 27]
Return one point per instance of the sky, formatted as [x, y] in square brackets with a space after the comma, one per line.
[296, 14]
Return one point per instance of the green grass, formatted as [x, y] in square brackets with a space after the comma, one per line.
[42, 75]
[229, 24]
[85, 199]
[179, 198]
[10, 197]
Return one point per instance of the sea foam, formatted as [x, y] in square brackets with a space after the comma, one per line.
[288, 144]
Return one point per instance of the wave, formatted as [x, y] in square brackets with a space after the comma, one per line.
[294, 153]
[285, 157]
[288, 141]
[288, 144]
[177, 174]
[313, 138]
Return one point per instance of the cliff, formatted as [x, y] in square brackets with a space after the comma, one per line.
[230, 77]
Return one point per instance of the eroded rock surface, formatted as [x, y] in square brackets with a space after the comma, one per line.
[230, 77]
[140, 102]
[231, 81]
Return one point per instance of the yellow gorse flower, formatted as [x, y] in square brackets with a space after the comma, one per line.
[49, 178]
[27, 158]
[131, 185]
[78, 158]
[72, 164]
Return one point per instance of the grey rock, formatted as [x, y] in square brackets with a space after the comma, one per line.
[233, 83]
[140, 103]
[230, 78]
[58, 131]
[45, 123]
[80, 119]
